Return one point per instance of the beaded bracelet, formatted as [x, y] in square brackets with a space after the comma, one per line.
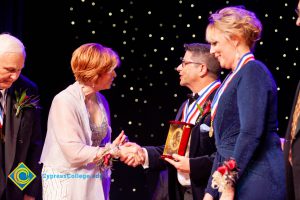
[105, 159]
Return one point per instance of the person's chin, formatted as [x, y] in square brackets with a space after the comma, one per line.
[182, 83]
[5, 85]
[223, 66]
[107, 88]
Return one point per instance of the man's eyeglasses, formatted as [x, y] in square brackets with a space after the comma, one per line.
[184, 63]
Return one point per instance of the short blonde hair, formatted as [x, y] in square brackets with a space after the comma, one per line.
[237, 21]
[91, 60]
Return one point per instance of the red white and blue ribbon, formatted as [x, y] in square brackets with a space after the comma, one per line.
[214, 105]
[191, 112]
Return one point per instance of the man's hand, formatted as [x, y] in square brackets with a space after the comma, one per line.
[132, 154]
[181, 163]
[207, 196]
[27, 197]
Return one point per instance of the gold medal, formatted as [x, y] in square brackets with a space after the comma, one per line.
[211, 130]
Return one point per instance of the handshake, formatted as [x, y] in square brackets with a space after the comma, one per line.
[132, 154]
[128, 152]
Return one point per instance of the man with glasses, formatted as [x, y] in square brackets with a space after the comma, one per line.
[298, 16]
[186, 176]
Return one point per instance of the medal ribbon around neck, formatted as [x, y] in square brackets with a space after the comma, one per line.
[190, 113]
[246, 58]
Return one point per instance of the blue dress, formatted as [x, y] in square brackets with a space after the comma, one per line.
[245, 127]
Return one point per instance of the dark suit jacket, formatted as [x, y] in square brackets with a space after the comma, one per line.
[293, 172]
[245, 128]
[23, 142]
[202, 148]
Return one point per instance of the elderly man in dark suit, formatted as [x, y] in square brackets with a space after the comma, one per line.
[187, 175]
[20, 129]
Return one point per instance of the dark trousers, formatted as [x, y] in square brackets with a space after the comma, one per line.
[186, 192]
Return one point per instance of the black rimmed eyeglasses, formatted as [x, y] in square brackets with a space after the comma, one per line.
[184, 63]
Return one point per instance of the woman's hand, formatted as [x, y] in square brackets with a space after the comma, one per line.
[228, 194]
[121, 139]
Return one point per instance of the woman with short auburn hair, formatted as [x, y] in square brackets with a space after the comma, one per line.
[77, 152]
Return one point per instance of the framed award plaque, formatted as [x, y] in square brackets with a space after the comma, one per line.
[177, 139]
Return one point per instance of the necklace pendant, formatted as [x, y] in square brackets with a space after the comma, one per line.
[211, 130]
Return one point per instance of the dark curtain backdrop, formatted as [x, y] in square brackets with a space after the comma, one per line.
[11, 16]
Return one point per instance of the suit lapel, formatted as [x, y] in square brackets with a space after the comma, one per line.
[298, 127]
[12, 124]
[179, 113]
[2, 182]
[195, 136]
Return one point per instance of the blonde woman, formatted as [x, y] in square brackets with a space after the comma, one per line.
[79, 132]
[249, 161]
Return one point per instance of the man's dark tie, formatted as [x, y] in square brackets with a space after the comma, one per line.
[192, 97]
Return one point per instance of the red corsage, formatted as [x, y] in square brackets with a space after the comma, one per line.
[204, 110]
[24, 101]
[207, 108]
[225, 176]
[105, 160]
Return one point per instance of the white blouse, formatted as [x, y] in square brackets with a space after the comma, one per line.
[68, 150]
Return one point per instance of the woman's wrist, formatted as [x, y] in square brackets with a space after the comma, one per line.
[224, 178]
[115, 151]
